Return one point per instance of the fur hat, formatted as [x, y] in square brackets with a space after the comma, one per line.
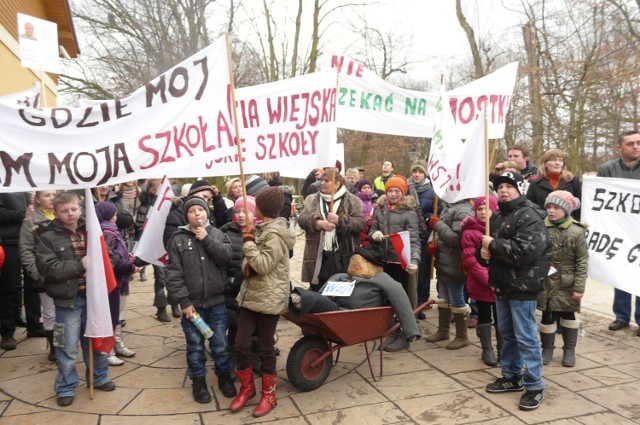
[255, 184]
[564, 200]
[270, 201]
[512, 178]
[419, 164]
[371, 253]
[105, 211]
[251, 204]
[397, 181]
[493, 203]
[364, 182]
[194, 200]
[199, 186]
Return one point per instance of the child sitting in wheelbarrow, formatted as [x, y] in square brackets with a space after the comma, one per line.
[373, 288]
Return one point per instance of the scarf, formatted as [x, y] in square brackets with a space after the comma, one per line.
[330, 242]
[48, 213]
[367, 203]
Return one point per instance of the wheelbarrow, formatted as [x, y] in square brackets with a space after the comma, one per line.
[311, 358]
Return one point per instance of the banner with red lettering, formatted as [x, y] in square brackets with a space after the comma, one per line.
[611, 208]
[366, 102]
[179, 125]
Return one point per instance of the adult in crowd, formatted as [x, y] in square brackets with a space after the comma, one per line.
[518, 253]
[553, 175]
[41, 217]
[380, 181]
[14, 207]
[627, 166]
[396, 213]
[520, 155]
[329, 233]
[352, 176]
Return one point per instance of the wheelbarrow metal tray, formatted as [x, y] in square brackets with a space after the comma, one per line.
[346, 327]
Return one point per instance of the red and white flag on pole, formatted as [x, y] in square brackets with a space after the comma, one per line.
[100, 283]
[402, 245]
[150, 247]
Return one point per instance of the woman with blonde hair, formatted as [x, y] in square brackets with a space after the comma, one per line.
[554, 175]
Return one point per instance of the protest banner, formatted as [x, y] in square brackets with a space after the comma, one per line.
[28, 98]
[179, 125]
[611, 208]
[366, 102]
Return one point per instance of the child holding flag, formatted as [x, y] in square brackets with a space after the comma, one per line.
[61, 259]
[397, 213]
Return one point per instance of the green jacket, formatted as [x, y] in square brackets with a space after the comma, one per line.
[570, 258]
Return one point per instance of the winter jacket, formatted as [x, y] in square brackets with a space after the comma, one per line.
[424, 195]
[541, 187]
[521, 250]
[28, 247]
[617, 168]
[404, 217]
[570, 259]
[477, 273]
[119, 255]
[380, 182]
[58, 264]
[195, 272]
[449, 231]
[350, 224]
[266, 289]
[13, 207]
[146, 204]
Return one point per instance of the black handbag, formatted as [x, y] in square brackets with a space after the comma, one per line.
[334, 262]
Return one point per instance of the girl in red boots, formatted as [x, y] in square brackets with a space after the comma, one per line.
[264, 295]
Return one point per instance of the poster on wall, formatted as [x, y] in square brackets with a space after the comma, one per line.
[38, 44]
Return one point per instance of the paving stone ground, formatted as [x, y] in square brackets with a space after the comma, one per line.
[426, 384]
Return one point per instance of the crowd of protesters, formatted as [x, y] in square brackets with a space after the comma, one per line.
[228, 265]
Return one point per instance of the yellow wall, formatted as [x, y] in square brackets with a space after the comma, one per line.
[14, 78]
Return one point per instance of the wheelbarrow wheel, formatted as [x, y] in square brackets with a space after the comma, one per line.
[301, 373]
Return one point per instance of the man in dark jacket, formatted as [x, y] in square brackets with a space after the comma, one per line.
[519, 254]
[625, 167]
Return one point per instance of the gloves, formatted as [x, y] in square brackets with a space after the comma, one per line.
[432, 221]
[432, 248]
[248, 236]
[377, 236]
[411, 268]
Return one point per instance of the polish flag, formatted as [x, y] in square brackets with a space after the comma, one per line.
[150, 247]
[100, 283]
[402, 245]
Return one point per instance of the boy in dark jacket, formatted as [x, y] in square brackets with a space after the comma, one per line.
[198, 253]
[61, 257]
[519, 254]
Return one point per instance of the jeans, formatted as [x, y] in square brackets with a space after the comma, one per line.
[622, 306]
[517, 324]
[216, 318]
[69, 327]
[452, 292]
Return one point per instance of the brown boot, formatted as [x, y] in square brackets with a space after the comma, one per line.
[247, 390]
[52, 350]
[268, 398]
[460, 315]
[442, 334]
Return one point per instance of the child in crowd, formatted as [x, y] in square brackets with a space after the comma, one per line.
[62, 261]
[451, 278]
[366, 195]
[562, 296]
[473, 227]
[397, 213]
[198, 253]
[123, 269]
[41, 217]
[264, 295]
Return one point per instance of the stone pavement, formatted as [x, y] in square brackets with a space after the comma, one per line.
[425, 384]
